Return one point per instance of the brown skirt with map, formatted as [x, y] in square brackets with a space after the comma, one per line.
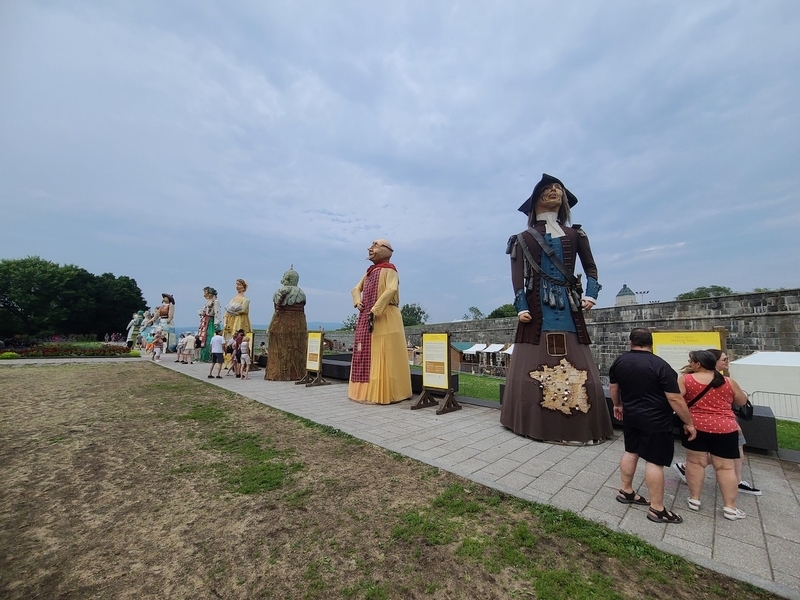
[555, 398]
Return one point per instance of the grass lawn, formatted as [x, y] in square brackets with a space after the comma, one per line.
[483, 387]
[128, 480]
[788, 435]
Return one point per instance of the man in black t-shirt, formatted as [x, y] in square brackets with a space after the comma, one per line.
[644, 389]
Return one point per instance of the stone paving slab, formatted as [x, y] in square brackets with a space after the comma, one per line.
[763, 549]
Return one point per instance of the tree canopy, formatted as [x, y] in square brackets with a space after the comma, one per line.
[705, 292]
[473, 314]
[349, 324]
[39, 297]
[506, 310]
[413, 314]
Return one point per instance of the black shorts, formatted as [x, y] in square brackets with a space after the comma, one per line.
[721, 445]
[655, 447]
[216, 357]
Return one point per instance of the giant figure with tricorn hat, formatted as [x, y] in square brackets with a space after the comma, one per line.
[553, 391]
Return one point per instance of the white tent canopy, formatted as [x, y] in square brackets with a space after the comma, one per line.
[493, 348]
[475, 348]
[509, 350]
[771, 359]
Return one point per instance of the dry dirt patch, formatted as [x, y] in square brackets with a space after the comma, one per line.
[119, 482]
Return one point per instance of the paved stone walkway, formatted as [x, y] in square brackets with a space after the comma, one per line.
[763, 549]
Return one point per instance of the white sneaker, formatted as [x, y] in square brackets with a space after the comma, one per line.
[680, 469]
[746, 488]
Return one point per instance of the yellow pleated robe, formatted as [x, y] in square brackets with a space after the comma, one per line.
[389, 374]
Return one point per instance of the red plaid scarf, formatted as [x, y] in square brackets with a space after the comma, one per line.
[362, 348]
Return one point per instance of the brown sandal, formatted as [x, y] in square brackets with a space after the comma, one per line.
[663, 516]
[632, 498]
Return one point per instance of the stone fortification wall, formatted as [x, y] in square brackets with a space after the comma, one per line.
[763, 321]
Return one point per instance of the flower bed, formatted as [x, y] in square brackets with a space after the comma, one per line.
[72, 350]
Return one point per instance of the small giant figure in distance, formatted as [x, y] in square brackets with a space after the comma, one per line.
[165, 315]
[209, 322]
[146, 327]
[133, 328]
[379, 373]
[288, 331]
[237, 312]
[553, 391]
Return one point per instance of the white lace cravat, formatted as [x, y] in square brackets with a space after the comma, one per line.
[551, 225]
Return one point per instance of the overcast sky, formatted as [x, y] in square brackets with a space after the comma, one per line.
[187, 144]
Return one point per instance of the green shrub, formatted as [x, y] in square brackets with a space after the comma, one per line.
[135, 353]
[8, 355]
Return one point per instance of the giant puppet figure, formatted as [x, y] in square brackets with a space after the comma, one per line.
[133, 328]
[237, 312]
[210, 316]
[147, 323]
[288, 331]
[553, 391]
[379, 373]
[164, 321]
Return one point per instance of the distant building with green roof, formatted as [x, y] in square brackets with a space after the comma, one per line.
[625, 297]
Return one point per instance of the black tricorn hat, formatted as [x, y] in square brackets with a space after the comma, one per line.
[528, 205]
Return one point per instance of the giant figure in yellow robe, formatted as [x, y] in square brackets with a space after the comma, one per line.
[379, 373]
[237, 312]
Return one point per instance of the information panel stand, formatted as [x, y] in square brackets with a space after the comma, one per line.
[436, 373]
[314, 361]
[674, 346]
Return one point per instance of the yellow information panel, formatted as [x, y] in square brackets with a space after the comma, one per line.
[674, 346]
[435, 361]
[314, 353]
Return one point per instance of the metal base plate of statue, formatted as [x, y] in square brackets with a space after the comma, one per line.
[287, 332]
